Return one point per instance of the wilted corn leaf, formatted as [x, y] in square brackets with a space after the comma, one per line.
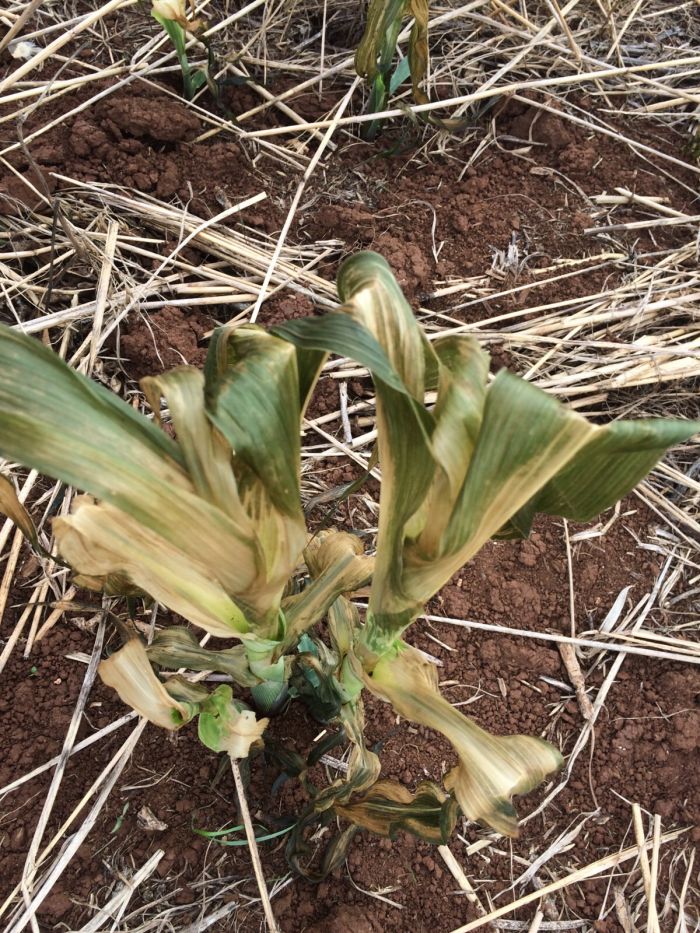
[99, 541]
[391, 344]
[343, 623]
[176, 647]
[226, 725]
[363, 772]
[128, 671]
[377, 46]
[213, 535]
[314, 679]
[16, 512]
[67, 426]
[62, 424]
[388, 807]
[463, 371]
[457, 475]
[334, 854]
[376, 50]
[171, 11]
[207, 456]
[418, 47]
[247, 363]
[186, 691]
[338, 565]
[375, 53]
[525, 438]
[532, 452]
[618, 456]
[256, 388]
[492, 768]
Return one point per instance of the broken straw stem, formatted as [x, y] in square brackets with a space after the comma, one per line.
[253, 845]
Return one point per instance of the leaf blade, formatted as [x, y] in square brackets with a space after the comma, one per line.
[616, 459]
[16, 512]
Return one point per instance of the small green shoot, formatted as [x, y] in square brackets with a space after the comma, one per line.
[119, 822]
[219, 836]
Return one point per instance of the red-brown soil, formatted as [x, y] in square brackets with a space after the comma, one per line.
[647, 741]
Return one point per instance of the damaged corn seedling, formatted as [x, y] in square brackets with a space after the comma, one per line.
[375, 53]
[374, 59]
[210, 524]
[172, 16]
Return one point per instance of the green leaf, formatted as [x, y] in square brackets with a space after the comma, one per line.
[176, 33]
[377, 48]
[617, 458]
[178, 36]
[216, 835]
[314, 680]
[402, 71]
[197, 80]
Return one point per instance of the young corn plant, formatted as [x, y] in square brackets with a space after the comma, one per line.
[374, 59]
[211, 525]
[375, 53]
[172, 16]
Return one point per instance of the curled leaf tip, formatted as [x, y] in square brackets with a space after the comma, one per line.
[246, 731]
[227, 725]
[512, 764]
[174, 11]
[129, 672]
[332, 548]
[491, 768]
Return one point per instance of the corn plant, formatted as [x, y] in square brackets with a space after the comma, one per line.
[211, 525]
[375, 53]
[172, 16]
[374, 59]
